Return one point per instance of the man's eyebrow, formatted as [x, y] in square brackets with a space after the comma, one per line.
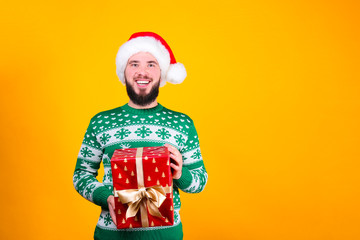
[152, 62]
[133, 61]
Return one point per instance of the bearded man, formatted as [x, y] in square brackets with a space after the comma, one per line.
[144, 63]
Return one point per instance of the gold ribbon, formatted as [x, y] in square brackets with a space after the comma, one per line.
[143, 198]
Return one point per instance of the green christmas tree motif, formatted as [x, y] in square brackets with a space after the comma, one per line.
[123, 133]
[180, 139]
[81, 187]
[192, 189]
[86, 152]
[78, 175]
[107, 219]
[196, 155]
[89, 190]
[88, 179]
[163, 133]
[176, 217]
[200, 177]
[105, 138]
[143, 132]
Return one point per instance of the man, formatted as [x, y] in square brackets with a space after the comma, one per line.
[144, 63]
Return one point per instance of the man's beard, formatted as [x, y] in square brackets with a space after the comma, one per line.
[142, 100]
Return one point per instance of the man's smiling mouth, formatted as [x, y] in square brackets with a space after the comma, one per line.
[142, 83]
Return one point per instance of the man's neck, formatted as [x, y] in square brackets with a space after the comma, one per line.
[151, 105]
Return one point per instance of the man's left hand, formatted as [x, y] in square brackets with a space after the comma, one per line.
[176, 165]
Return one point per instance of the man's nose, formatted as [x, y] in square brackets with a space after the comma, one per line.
[142, 70]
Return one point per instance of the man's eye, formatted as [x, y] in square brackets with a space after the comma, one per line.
[151, 65]
[134, 65]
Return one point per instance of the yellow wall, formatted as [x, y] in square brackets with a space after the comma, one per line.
[273, 88]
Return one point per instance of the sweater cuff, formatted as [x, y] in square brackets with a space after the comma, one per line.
[101, 195]
[185, 180]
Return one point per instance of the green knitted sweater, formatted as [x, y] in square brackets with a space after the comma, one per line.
[127, 127]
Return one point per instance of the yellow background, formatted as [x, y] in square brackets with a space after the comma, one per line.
[273, 88]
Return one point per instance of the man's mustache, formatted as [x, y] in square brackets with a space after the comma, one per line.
[142, 77]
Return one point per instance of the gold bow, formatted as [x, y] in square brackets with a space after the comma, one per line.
[143, 198]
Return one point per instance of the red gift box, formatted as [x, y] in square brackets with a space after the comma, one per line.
[142, 183]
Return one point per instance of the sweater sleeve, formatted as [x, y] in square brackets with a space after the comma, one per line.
[86, 170]
[194, 176]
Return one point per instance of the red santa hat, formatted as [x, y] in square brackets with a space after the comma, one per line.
[150, 42]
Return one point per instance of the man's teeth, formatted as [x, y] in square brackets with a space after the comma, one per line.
[142, 82]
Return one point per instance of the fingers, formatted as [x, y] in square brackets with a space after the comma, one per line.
[176, 165]
[176, 158]
[113, 215]
[172, 149]
[174, 153]
[176, 172]
[111, 203]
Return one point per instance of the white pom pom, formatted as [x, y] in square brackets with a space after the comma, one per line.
[176, 73]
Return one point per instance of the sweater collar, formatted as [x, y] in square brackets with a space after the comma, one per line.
[157, 108]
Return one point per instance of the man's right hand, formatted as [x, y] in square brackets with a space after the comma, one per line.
[111, 203]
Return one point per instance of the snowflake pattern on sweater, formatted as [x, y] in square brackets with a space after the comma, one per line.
[126, 127]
